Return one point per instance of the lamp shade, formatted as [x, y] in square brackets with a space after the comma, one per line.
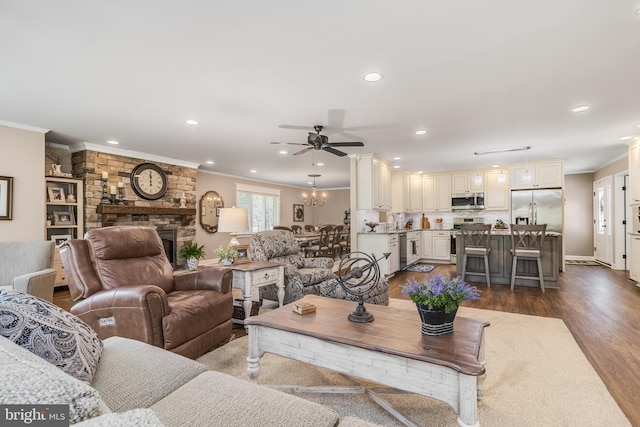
[233, 220]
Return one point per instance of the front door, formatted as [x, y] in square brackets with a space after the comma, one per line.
[602, 220]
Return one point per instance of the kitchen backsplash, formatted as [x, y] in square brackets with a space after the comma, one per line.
[489, 217]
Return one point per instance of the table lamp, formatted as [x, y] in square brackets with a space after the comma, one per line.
[233, 220]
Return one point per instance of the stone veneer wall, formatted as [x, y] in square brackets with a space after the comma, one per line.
[88, 165]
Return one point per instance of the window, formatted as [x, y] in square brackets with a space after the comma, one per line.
[262, 204]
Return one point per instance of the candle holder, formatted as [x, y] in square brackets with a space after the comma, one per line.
[112, 199]
[120, 199]
[105, 197]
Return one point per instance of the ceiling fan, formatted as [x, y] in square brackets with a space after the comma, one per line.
[321, 142]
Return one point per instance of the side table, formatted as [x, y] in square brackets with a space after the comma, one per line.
[250, 275]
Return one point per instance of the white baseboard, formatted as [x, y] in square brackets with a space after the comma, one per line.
[579, 258]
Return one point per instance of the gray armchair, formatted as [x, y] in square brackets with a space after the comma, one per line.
[302, 275]
[26, 267]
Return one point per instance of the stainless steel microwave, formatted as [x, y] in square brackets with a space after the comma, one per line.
[467, 201]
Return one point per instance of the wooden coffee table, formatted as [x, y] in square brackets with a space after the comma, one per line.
[391, 351]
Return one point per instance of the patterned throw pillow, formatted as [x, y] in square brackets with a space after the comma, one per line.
[51, 333]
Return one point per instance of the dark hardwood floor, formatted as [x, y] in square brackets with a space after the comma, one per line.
[600, 307]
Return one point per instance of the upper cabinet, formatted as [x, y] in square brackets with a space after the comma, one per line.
[406, 192]
[436, 193]
[537, 175]
[634, 173]
[496, 196]
[466, 183]
[374, 183]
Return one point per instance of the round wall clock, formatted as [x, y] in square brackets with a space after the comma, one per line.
[149, 181]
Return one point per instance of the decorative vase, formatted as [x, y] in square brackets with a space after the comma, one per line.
[436, 322]
[192, 263]
[227, 262]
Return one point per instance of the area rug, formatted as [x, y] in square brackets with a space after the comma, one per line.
[582, 262]
[420, 268]
[536, 376]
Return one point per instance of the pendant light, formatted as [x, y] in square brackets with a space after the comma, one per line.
[501, 176]
[526, 175]
[477, 180]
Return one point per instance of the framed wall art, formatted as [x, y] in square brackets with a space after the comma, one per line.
[243, 254]
[298, 213]
[6, 197]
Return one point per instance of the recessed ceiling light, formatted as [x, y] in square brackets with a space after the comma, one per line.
[310, 182]
[397, 158]
[581, 108]
[420, 172]
[372, 77]
[253, 171]
[626, 138]
[637, 12]
[495, 166]
[113, 142]
[283, 152]
[396, 167]
[320, 164]
[638, 126]
[191, 122]
[421, 132]
[209, 162]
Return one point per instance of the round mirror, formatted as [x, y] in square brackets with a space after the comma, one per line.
[210, 204]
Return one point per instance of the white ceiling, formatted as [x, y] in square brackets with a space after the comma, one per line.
[477, 75]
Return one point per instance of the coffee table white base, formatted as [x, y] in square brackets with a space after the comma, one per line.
[458, 390]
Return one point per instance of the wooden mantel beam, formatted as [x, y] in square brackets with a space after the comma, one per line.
[111, 212]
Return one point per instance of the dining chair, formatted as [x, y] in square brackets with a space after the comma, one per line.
[526, 243]
[322, 246]
[296, 229]
[281, 227]
[309, 228]
[334, 240]
[475, 240]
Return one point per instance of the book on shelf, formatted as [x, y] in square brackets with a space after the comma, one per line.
[304, 308]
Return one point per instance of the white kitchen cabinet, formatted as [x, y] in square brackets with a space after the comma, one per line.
[436, 193]
[406, 192]
[436, 245]
[441, 245]
[378, 244]
[496, 195]
[634, 173]
[374, 183]
[634, 265]
[426, 244]
[462, 183]
[541, 175]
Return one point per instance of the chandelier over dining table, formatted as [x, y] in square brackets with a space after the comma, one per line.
[313, 199]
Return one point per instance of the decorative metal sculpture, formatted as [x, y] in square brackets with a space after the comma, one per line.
[358, 275]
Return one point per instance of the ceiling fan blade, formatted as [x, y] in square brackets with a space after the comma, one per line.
[347, 144]
[303, 151]
[289, 143]
[294, 127]
[334, 151]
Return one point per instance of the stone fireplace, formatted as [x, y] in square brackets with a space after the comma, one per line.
[175, 225]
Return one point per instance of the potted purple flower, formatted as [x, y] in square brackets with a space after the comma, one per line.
[437, 300]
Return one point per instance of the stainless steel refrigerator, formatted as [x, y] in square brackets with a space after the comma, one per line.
[537, 207]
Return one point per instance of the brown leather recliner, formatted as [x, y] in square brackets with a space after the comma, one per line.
[125, 286]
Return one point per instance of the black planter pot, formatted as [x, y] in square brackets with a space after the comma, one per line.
[436, 322]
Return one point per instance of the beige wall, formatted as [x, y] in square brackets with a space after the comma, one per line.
[23, 160]
[612, 169]
[225, 186]
[578, 215]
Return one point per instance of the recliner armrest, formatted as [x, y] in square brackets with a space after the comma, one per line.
[216, 278]
[318, 262]
[134, 312]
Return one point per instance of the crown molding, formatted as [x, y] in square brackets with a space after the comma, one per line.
[23, 127]
[130, 153]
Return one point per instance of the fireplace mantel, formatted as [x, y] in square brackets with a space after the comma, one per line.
[111, 212]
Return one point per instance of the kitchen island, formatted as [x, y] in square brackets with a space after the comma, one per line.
[500, 261]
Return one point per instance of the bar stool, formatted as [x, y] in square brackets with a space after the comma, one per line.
[526, 243]
[475, 240]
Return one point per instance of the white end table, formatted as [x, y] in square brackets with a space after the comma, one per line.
[254, 274]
